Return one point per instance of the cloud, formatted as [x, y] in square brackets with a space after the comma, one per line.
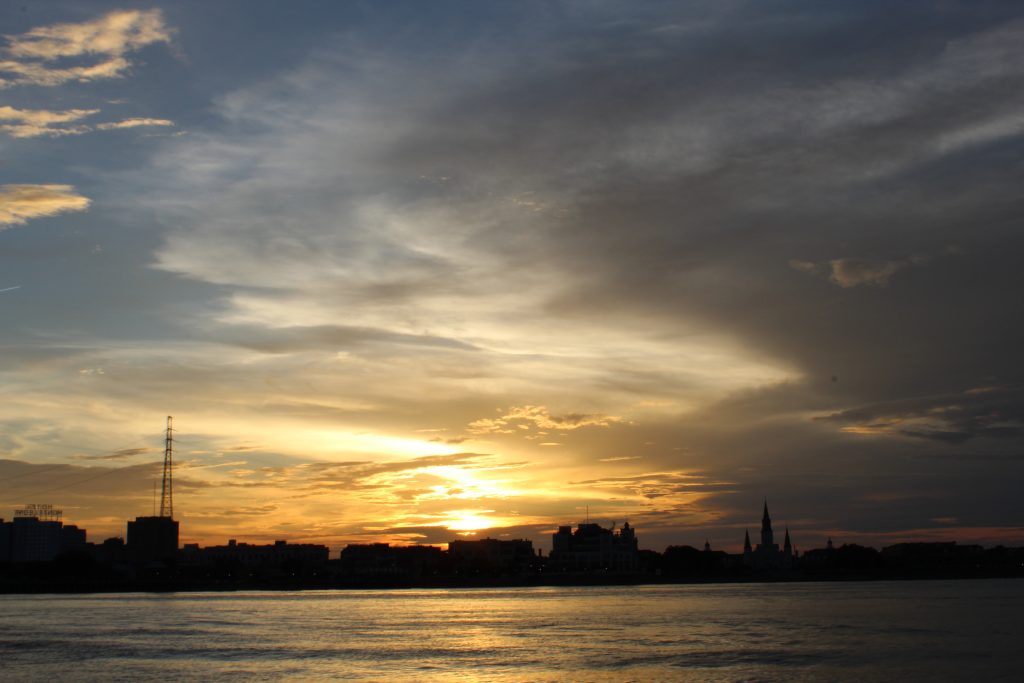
[30, 123]
[133, 123]
[851, 272]
[996, 412]
[42, 74]
[538, 417]
[38, 56]
[21, 203]
[113, 34]
[292, 338]
[117, 455]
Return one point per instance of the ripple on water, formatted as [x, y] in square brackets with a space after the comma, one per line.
[863, 632]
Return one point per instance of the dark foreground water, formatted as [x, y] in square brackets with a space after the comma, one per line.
[889, 631]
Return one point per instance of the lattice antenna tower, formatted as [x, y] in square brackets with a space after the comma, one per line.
[167, 493]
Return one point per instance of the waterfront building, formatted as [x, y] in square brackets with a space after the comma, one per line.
[280, 557]
[767, 555]
[491, 556]
[5, 541]
[385, 560]
[111, 551]
[153, 539]
[34, 539]
[37, 534]
[591, 547]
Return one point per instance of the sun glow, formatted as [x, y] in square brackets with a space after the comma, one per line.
[463, 484]
[471, 520]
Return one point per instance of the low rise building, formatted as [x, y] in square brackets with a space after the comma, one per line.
[278, 558]
[364, 560]
[593, 548]
[492, 556]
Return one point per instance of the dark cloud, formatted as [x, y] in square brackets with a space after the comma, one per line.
[438, 535]
[116, 455]
[952, 418]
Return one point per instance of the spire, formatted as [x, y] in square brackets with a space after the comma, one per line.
[787, 546]
[767, 537]
[746, 543]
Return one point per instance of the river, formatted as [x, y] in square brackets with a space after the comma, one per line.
[871, 631]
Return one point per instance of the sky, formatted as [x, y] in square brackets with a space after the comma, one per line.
[408, 272]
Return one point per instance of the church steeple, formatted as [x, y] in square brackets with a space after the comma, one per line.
[746, 543]
[787, 546]
[767, 537]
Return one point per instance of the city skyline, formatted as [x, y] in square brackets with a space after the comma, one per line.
[411, 272]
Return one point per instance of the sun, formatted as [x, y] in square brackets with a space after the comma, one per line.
[470, 520]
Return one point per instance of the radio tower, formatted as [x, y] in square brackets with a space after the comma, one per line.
[167, 494]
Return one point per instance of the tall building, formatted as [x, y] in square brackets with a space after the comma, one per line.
[37, 534]
[34, 539]
[153, 539]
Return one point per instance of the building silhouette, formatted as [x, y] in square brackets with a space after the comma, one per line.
[767, 555]
[364, 560]
[279, 558]
[155, 539]
[37, 534]
[593, 548]
[491, 556]
[5, 541]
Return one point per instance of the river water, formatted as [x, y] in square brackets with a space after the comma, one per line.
[882, 631]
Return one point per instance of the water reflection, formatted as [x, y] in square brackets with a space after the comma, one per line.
[864, 631]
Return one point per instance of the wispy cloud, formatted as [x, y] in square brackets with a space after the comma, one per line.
[853, 272]
[31, 123]
[539, 417]
[133, 123]
[34, 123]
[116, 455]
[21, 203]
[38, 57]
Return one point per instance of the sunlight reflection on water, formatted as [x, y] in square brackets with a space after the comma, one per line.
[828, 631]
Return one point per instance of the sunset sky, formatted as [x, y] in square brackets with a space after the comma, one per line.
[403, 271]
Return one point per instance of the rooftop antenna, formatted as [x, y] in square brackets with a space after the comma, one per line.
[167, 494]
